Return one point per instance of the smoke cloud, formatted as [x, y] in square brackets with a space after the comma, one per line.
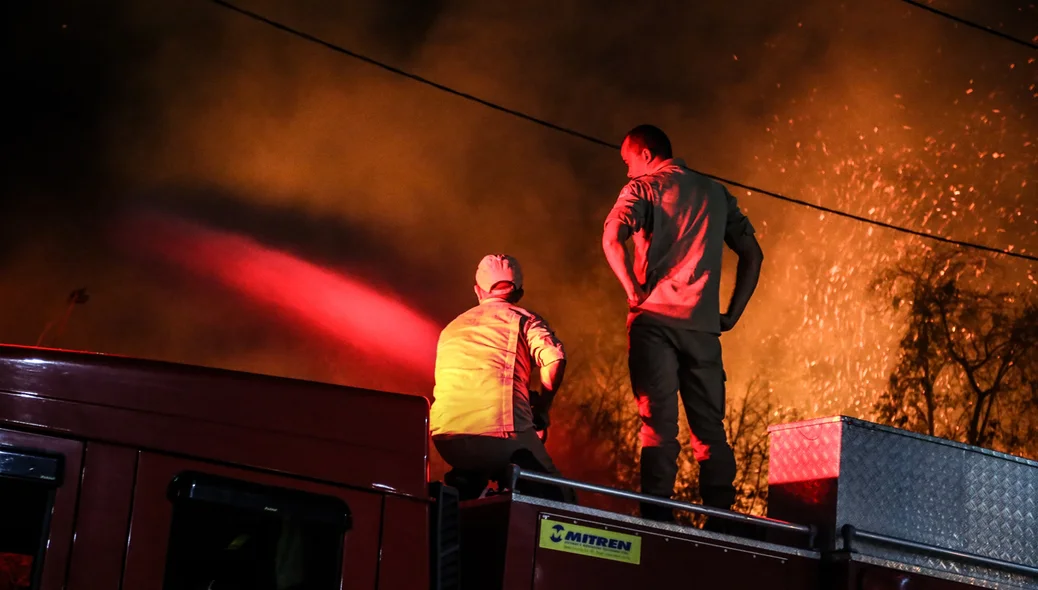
[200, 112]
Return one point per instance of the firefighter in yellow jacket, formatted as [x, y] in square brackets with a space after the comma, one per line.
[485, 415]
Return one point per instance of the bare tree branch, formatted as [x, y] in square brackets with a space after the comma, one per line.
[964, 353]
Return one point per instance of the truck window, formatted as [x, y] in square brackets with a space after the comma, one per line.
[27, 483]
[231, 534]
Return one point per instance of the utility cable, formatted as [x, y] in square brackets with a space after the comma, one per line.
[603, 142]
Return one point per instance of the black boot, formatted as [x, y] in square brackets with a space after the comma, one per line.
[656, 512]
[659, 468]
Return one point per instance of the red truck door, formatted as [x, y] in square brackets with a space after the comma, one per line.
[194, 522]
[39, 487]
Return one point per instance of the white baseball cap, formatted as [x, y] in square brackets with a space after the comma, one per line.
[495, 268]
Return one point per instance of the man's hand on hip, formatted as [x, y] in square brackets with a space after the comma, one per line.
[727, 322]
[541, 417]
[636, 295]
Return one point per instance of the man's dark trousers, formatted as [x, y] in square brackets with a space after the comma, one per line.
[475, 460]
[663, 361]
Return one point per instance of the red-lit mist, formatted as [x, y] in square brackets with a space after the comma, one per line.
[330, 302]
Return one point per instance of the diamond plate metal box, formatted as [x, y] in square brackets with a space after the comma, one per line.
[839, 470]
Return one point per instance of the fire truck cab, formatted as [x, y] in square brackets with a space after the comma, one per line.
[125, 473]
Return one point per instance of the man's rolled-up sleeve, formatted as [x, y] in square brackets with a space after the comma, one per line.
[631, 208]
[545, 346]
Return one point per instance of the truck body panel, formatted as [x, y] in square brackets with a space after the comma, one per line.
[127, 427]
[351, 436]
[525, 543]
[142, 474]
[103, 520]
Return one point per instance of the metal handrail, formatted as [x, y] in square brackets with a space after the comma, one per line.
[516, 473]
[850, 532]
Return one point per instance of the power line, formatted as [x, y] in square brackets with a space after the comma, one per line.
[414, 77]
[968, 23]
[602, 142]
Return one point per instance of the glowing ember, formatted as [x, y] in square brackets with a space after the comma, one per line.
[830, 337]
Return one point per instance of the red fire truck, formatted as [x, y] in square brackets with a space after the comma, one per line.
[133, 474]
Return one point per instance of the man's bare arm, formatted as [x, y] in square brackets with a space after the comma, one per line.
[613, 238]
[747, 274]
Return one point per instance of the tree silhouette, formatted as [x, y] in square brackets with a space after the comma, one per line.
[966, 367]
[747, 426]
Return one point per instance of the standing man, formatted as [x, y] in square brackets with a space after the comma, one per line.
[485, 415]
[680, 222]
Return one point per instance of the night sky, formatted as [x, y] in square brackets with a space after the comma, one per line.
[195, 113]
